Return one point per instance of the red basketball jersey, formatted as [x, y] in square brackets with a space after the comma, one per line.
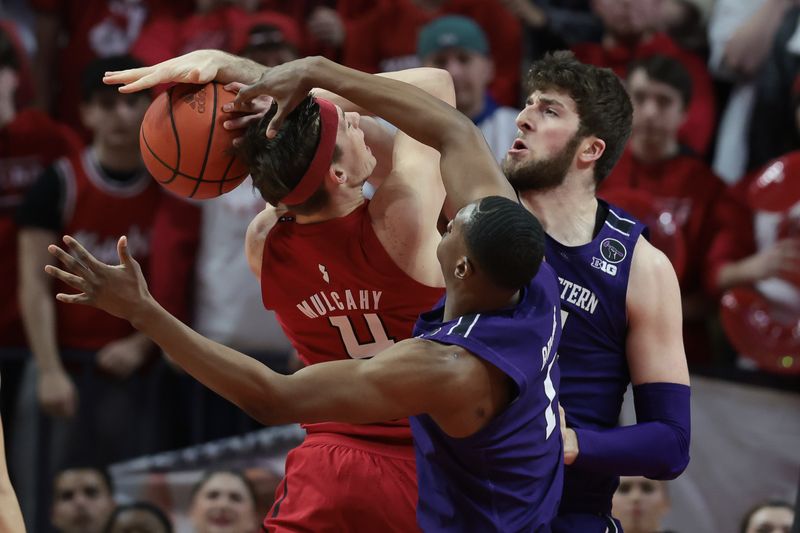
[97, 211]
[338, 294]
[28, 144]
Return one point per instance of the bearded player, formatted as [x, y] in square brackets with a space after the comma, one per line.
[620, 299]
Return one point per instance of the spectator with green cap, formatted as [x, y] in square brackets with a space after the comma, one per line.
[458, 45]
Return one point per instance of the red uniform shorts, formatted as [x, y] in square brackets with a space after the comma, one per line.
[336, 483]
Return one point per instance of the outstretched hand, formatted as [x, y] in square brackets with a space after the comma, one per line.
[246, 112]
[287, 84]
[200, 66]
[119, 290]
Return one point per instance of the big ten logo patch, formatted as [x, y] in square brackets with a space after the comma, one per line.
[612, 252]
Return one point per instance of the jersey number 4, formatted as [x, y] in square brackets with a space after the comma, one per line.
[358, 350]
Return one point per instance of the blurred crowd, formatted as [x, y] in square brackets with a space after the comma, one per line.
[712, 166]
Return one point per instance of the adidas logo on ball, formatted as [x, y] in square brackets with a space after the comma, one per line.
[197, 101]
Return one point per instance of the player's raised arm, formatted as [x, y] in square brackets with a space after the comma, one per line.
[200, 66]
[469, 169]
[411, 377]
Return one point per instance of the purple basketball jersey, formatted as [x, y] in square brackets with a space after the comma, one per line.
[508, 476]
[593, 282]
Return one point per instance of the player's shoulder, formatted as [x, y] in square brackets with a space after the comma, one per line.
[651, 270]
[256, 235]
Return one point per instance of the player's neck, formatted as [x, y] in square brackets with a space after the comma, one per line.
[7, 112]
[121, 159]
[567, 212]
[481, 300]
[336, 208]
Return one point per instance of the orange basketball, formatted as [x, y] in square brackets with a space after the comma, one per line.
[184, 145]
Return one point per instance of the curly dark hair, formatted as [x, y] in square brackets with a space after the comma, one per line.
[604, 107]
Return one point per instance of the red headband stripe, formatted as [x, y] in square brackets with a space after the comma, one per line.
[312, 179]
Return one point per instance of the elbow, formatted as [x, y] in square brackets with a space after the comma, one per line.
[263, 412]
[675, 459]
[461, 132]
[674, 468]
[445, 90]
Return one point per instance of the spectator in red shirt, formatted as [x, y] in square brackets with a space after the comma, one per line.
[687, 195]
[386, 38]
[761, 308]
[92, 376]
[72, 33]
[630, 35]
[212, 24]
[29, 141]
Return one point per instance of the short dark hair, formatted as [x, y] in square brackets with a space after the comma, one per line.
[763, 505]
[208, 474]
[92, 75]
[667, 70]
[506, 241]
[100, 470]
[604, 107]
[139, 506]
[277, 165]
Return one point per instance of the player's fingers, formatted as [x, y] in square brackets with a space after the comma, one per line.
[240, 123]
[276, 122]
[76, 282]
[81, 298]
[74, 266]
[125, 76]
[123, 252]
[234, 87]
[249, 92]
[142, 83]
[125, 257]
[82, 254]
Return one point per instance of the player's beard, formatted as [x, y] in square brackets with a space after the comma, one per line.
[543, 174]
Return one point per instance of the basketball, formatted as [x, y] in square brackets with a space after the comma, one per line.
[184, 145]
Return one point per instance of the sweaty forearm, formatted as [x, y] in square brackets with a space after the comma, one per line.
[233, 375]
[433, 81]
[656, 447]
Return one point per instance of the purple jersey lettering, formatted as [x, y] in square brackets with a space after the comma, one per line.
[508, 475]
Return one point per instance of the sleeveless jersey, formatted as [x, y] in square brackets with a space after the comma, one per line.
[97, 211]
[338, 294]
[508, 476]
[592, 353]
[28, 144]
